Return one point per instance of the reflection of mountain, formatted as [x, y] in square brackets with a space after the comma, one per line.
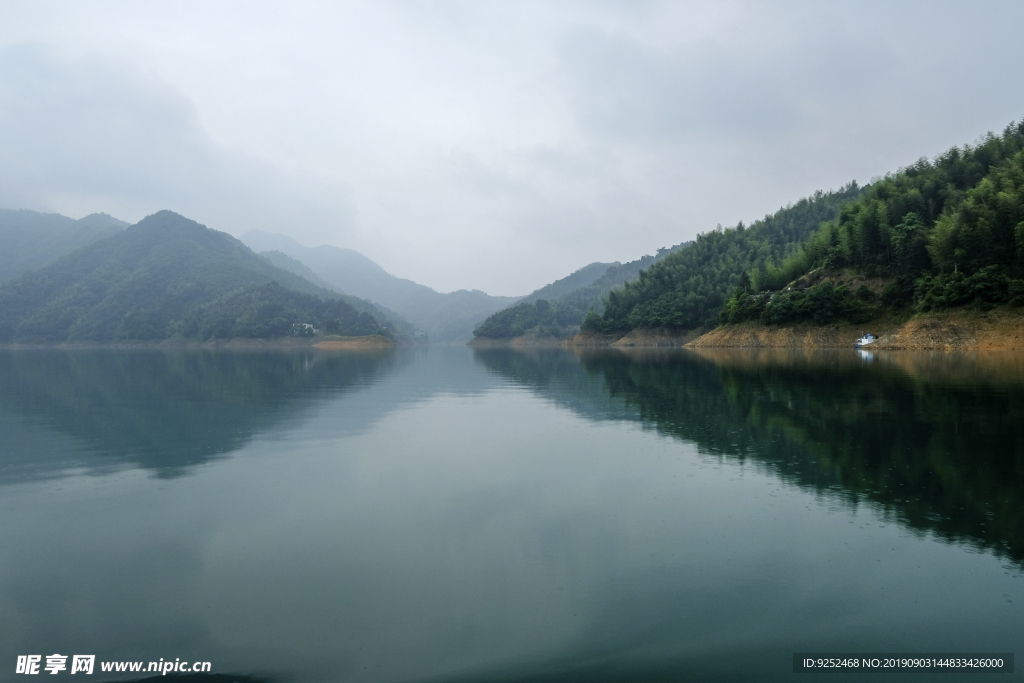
[163, 411]
[941, 449]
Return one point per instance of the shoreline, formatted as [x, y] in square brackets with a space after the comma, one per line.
[529, 340]
[999, 329]
[370, 342]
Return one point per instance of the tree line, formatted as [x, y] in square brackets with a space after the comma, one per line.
[562, 314]
[168, 277]
[689, 287]
[938, 234]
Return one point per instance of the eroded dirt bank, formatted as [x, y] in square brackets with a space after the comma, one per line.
[590, 340]
[1001, 329]
[529, 340]
[372, 342]
[657, 337]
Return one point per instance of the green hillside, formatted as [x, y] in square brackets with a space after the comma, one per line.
[583, 277]
[934, 235]
[296, 267]
[31, 240]
[687, 289]
[168, 276]
[558, 309]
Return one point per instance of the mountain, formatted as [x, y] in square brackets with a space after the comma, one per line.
[168, 276]
[285, 262]
[933, 235]
[687, 289]
[296, 267]
[30, 240]
[583, 277]
[559, 309]
[447, 317]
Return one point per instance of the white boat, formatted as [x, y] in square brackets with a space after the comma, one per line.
[868, 338]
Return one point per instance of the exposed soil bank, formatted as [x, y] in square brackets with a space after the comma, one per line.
[753, 335]
[590, 340]
[372, 342]
[655, 337]
[368, 342]
[522, 341]
[1001, 329]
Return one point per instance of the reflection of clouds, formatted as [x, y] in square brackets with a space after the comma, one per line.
[444, 524]
[853, 432]
[65, 413]
[166, 412]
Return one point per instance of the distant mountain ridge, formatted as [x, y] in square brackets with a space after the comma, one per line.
[686, 290]
[296, 267]
[582, 277]
[31, 239]
[447, 317]
[168, 276]
[558, 309]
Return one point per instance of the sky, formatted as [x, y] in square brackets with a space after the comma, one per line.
[486, 145]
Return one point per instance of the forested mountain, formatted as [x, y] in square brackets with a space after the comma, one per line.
[559, 308]
[30, 240]
[168, 276]
[583, 277]
[933, 235]
[445, 317]
[687, 289]
[296, 267]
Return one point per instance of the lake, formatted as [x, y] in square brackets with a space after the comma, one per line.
[447, 514]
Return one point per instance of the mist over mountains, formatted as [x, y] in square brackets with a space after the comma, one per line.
[166, 277]
[65, 280]
[30, 240]
[558, 309]
[931, 236]
[446, 318]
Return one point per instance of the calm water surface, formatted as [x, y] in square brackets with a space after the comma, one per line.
[455, 515]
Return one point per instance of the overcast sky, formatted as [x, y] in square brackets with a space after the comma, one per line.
[487, 145]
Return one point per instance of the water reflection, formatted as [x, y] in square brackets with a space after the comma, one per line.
[935, 441]
[162, 411]
[424, 516]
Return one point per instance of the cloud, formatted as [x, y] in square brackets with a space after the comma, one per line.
[92, 134]
[489, 145]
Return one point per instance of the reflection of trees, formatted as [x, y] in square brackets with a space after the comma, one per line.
[557, 375]
[936, 444]
[169, 410]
